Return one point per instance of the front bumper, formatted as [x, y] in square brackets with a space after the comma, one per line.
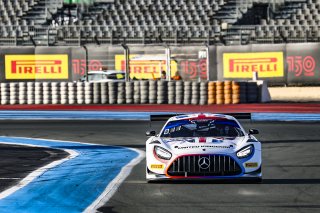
[256, 175]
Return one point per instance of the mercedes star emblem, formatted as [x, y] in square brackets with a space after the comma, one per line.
[204, 163]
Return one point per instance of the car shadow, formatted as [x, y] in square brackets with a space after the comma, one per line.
[237, 181]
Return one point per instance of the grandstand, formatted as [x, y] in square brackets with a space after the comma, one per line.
[217, 22]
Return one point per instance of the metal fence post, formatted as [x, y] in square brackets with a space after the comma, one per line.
[208, 61]
[168, 62]
[87, 61]
[127, 61]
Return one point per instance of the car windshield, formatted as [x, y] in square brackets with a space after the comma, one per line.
[202, 128]
[96, 77]
[116, 76]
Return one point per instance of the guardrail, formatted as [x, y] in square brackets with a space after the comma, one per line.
[134, 92]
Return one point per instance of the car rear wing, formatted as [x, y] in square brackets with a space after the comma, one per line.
[165, 117]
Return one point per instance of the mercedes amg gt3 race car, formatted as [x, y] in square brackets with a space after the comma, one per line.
[202, 146]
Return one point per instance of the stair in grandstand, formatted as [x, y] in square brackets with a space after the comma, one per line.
[286, 10]
[36, 31]
[228, 13]
[42, 11]
[253, 15]
[241, 31]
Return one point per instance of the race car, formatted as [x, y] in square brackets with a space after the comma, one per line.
[203, 146]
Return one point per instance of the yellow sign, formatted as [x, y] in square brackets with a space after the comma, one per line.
[36, 67]
[144, 69]
[251, 165]
[242, 65]
[157, 166]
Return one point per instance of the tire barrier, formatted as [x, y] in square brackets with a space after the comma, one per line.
[162, 92]
[121, 98]
[219, 92]
[187, 92]
[235, 92]
[23, 92]
[38, 93]
[179, 92]
[55, 92]
[243, 92]
[252, 92]
[203, 93]
[13, 90]
[195, 93]
[5, 93]
[112, 92]
[152, 92]
[30, 92]
[72, 93]
[46, 91]
[134, 92]
[104, 93]
[80, 92]
[171, 92]
[144, 92]
[129, 92]
[227, 92]
[97, 93]
[63, 93]
[88, 93]
[211, 92]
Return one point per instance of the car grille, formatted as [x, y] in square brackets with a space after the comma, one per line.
[220, 165]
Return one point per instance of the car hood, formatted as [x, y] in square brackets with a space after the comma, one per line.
[196, 145]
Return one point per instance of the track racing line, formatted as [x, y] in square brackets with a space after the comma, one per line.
[83, 181]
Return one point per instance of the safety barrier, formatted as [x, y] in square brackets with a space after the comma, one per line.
[134, 92]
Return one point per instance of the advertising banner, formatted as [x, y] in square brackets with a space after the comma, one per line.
[242, 65]
[25, 67]
[145, 66]
[276, 63]
[12, 51]
[240, 62]
[191, 62]
[303, 63]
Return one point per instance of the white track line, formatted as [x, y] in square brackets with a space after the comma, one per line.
[115, 183]
[33, 175]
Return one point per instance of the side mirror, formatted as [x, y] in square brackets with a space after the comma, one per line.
[253, 131]
[150, 133]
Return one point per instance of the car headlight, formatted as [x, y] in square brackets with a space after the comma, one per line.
[245, 151]
[162, 153]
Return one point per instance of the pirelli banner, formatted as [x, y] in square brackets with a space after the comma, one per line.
[276, 63]
[32, 64]
[240, 62]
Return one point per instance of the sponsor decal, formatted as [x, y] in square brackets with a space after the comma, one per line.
[242, 65]
[144, 69]
[203, 146]
[22, 67]
[251, 165]
[157, 166]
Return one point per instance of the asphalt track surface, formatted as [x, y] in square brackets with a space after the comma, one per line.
[16, 162]
[291, 168]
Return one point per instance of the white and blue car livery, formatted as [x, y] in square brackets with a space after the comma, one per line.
[202, 146]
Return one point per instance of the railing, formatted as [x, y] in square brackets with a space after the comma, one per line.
[271, 34]
[86, 34]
